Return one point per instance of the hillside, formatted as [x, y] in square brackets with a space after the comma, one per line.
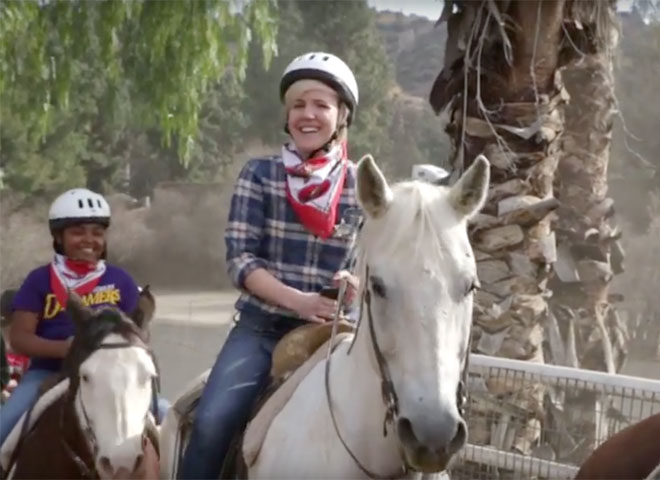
[415, 48]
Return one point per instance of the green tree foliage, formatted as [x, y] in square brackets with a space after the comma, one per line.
[160, 58]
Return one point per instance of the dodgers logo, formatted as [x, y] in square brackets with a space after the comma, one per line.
[105, 295]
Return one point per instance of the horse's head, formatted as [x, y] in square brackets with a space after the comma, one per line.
[112, 373]
[420, 274]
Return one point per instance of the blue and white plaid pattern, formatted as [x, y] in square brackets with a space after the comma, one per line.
[263, 231]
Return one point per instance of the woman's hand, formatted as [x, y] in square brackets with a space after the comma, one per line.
[352, 285]
[314, 307]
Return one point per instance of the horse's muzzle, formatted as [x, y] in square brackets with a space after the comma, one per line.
[428, 448]
[108, 471]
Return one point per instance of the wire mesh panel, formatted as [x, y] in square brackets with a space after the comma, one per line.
[533, 421]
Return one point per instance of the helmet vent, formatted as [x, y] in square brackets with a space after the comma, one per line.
[90, 203]
[80, 203]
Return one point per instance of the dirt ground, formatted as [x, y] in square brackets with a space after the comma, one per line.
[187, 334]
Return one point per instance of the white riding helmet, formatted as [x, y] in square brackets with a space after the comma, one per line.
[76, 206]
[326, 68]
[429, 173]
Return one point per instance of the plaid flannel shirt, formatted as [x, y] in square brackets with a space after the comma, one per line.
[263, 231]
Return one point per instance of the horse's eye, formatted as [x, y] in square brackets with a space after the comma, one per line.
[378, 286]
[84, 377]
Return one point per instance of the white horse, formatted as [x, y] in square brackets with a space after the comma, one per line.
[418, 274]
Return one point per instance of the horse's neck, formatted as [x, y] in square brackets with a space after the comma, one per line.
[356, 393]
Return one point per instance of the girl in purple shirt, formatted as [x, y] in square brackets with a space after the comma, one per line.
[41, 327]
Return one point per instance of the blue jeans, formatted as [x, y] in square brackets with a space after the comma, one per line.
[162, 406]
[240, 373]
[21, 399]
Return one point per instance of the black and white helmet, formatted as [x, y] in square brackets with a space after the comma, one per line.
[77, 206]
[326, 68]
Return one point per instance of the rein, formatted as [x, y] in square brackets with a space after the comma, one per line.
[388, 392]
[83, 467]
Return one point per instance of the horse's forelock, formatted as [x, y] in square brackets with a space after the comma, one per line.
[415, 224]
[91, 335]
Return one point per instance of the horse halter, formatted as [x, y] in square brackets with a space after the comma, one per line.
[388, 392]
[88, 432]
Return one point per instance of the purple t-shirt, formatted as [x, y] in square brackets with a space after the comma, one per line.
[115, 288]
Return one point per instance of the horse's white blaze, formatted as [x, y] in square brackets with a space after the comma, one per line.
[115, 393]
[420, 272]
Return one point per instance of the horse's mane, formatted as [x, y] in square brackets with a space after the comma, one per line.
[413, 226]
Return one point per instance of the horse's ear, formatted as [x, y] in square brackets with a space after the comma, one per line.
[469, 193]
[77, 309]
[373, 192]
[145, 309]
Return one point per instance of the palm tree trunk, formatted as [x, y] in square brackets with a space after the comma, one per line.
[589, 255]
[508, 103]
[502, 86]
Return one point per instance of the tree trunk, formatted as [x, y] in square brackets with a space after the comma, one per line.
[589, 255]
[513, 113]
[502, 85]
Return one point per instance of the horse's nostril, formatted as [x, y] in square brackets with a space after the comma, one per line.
[105, 463]
[459, 438]
[138, 462]
[405, 431]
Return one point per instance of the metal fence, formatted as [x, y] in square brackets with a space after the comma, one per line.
[533, 421]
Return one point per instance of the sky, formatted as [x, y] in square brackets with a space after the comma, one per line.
[425, 8]
[433, 8]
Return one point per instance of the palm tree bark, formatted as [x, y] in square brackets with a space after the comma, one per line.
[589, 255]
[589, 251]
[503, 88]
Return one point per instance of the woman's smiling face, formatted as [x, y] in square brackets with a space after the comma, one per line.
[312, 116]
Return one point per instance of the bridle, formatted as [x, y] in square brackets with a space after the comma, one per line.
[388, 392]
[85, 470]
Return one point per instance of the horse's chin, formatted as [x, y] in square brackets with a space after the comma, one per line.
[424, 460]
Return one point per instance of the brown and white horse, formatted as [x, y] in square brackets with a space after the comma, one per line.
[100, 427]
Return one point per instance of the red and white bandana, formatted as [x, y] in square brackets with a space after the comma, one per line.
[314, 186]
[67, 274]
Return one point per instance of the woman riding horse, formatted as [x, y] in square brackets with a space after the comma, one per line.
[41, 328]
[282, 247]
